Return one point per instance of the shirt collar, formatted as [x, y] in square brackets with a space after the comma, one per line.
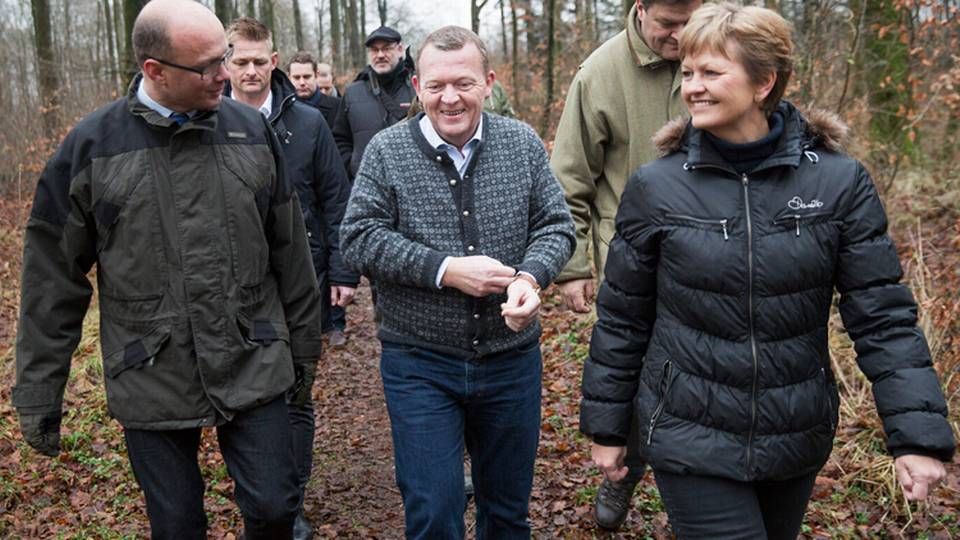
[429, 133]
[145, 98]
[266, 108]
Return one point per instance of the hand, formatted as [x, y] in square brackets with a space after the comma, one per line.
[302, 391]
[477, 275]
[577, 294]
[341, 295]
[918, 475]
[42, 431]
[609, 459]
[522, 305]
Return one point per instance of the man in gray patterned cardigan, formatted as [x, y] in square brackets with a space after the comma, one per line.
[456, 216]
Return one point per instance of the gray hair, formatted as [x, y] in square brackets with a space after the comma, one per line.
[454, 38]
[150, 39]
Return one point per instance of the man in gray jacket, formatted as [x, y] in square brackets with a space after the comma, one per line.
[207, 292]
[457, 217]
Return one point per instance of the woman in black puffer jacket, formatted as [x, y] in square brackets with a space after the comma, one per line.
[713, 314]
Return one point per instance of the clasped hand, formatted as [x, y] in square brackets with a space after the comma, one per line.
[481, 276]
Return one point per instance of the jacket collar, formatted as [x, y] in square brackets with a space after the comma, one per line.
[802, 134]
[204, 120]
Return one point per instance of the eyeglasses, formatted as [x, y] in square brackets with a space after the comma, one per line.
[208, 70]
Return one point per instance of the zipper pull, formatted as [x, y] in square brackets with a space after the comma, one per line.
[797, 219]
[723, 223]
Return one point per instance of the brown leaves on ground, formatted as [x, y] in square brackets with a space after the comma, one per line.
[89, 491]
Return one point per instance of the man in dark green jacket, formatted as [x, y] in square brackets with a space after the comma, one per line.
[207, 293]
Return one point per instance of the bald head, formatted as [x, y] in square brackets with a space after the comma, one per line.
[163, 25]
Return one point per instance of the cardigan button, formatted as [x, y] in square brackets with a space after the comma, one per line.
[469, 248]
[439, 158]
[466, 212]
[453, 182]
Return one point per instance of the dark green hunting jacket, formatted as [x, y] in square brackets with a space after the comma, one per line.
[207, 291]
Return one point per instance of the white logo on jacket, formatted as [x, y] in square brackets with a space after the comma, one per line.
[797, 203]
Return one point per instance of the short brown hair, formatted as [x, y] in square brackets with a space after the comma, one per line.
[250, 29]
[647, 4]
[151, 39]
[454, 38]
[303, 57]
[759, 38]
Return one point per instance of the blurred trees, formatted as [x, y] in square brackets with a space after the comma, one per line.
[889, 67]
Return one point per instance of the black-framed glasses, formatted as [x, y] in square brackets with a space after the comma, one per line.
[208, 70]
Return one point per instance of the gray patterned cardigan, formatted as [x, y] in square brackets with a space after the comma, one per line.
[409, 209]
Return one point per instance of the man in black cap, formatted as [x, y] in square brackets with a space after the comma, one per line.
[378, 98]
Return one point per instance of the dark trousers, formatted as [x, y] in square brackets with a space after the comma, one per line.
[256, 448]
[711, 507]
[436, 404]
[302, 425]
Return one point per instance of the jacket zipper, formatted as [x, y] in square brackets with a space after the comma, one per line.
[721, 222]
[664, 387]
[753, 339]
[798, 218]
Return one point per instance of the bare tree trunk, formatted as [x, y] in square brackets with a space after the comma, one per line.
[47, 69]
[353, 38]
[252, 8]
[224, 10]
[320, 34]
[382, 11]
[514, 53]
[66, 65]
[131, 8]
[503, 30]
[475, 7]
[549, 6]
[362, 17]
[336, 38]
[112, 67]
[267, 18]
[297, 25]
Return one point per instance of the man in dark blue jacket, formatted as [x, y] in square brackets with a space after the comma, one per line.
[321, 183]
[304, 73]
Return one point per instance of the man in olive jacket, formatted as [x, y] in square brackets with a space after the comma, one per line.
[207, 293]
[623, 93]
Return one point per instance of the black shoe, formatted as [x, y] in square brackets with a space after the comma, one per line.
[613, 502]
[302, 530]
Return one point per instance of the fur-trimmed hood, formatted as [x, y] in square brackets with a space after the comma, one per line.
[817, 127]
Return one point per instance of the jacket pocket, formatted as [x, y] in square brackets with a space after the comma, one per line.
[710, 224]
[262, 331]
[796, 221]
[666, 381]
[137, 353]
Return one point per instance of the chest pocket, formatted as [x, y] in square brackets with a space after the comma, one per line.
[130, 257]
[247, 182]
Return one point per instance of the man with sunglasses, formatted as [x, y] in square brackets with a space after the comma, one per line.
[207, 293]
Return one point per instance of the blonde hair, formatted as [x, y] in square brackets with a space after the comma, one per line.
[757, 37]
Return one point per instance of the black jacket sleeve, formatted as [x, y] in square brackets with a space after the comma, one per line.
[331, 192]
[626, 309]
[343, 133]
[880, 315]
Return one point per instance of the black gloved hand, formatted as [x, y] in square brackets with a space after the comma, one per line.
[301, 392]
[42, 431]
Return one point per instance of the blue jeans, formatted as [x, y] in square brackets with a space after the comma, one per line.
[436, 403]
[256, 446]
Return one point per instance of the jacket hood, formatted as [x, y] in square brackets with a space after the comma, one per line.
[817, 127]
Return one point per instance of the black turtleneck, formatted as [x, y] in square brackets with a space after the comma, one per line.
[744, 157]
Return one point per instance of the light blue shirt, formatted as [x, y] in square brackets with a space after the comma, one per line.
[266, 108]
[461, 158]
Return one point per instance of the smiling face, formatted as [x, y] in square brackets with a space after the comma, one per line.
[661, 24]
[251, 66]
[451, 86]
[721, 97]
[384, 55]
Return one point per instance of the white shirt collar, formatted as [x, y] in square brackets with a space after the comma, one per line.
[429, 133]
[266, 108]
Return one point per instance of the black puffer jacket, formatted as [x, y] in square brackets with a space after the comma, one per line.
[715, 304]
[364, 110]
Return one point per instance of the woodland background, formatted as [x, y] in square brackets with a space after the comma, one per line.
[890, 68]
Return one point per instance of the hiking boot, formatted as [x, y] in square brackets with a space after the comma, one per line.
[302, 530]
[613, 502]
[337, 338]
